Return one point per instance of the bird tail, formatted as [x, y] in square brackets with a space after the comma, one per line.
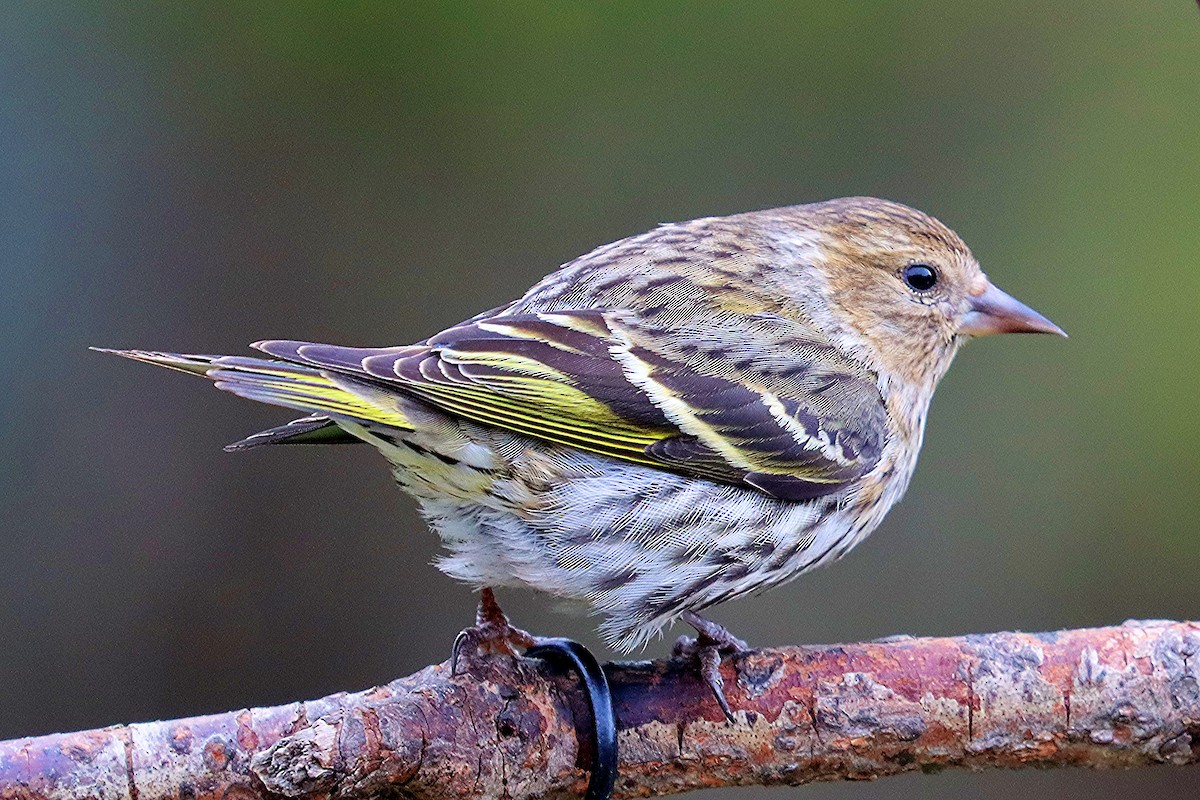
[324, 397]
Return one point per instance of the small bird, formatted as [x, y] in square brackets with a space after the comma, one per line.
[668, 422]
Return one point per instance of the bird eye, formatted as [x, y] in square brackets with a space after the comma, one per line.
[920, 277]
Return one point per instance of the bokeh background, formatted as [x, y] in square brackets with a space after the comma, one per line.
[199, 176]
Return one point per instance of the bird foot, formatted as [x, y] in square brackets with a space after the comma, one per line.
[492, 634]
[712, 640]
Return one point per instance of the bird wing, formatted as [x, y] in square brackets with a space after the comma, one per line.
[754, 400]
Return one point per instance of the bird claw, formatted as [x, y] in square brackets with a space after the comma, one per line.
[707, 647]
[492, 634]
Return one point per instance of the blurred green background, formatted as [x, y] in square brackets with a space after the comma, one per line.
[198, 176]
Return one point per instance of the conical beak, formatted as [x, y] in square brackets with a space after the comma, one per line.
[994, 311]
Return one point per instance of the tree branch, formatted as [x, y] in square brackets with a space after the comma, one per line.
[1102, 697]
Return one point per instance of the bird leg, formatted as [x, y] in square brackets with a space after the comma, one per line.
[711, 641]
[492, 634]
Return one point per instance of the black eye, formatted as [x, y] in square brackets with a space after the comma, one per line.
[920, 277]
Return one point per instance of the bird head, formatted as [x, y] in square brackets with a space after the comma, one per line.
[904, 287]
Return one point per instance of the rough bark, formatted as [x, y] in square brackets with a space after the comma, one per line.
[1103, 697]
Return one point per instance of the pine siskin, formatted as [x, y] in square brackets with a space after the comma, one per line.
[668, 422]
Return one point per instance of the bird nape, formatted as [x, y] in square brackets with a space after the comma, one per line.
[670, 421]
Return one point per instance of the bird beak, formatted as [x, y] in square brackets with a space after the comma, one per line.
[994, 311]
